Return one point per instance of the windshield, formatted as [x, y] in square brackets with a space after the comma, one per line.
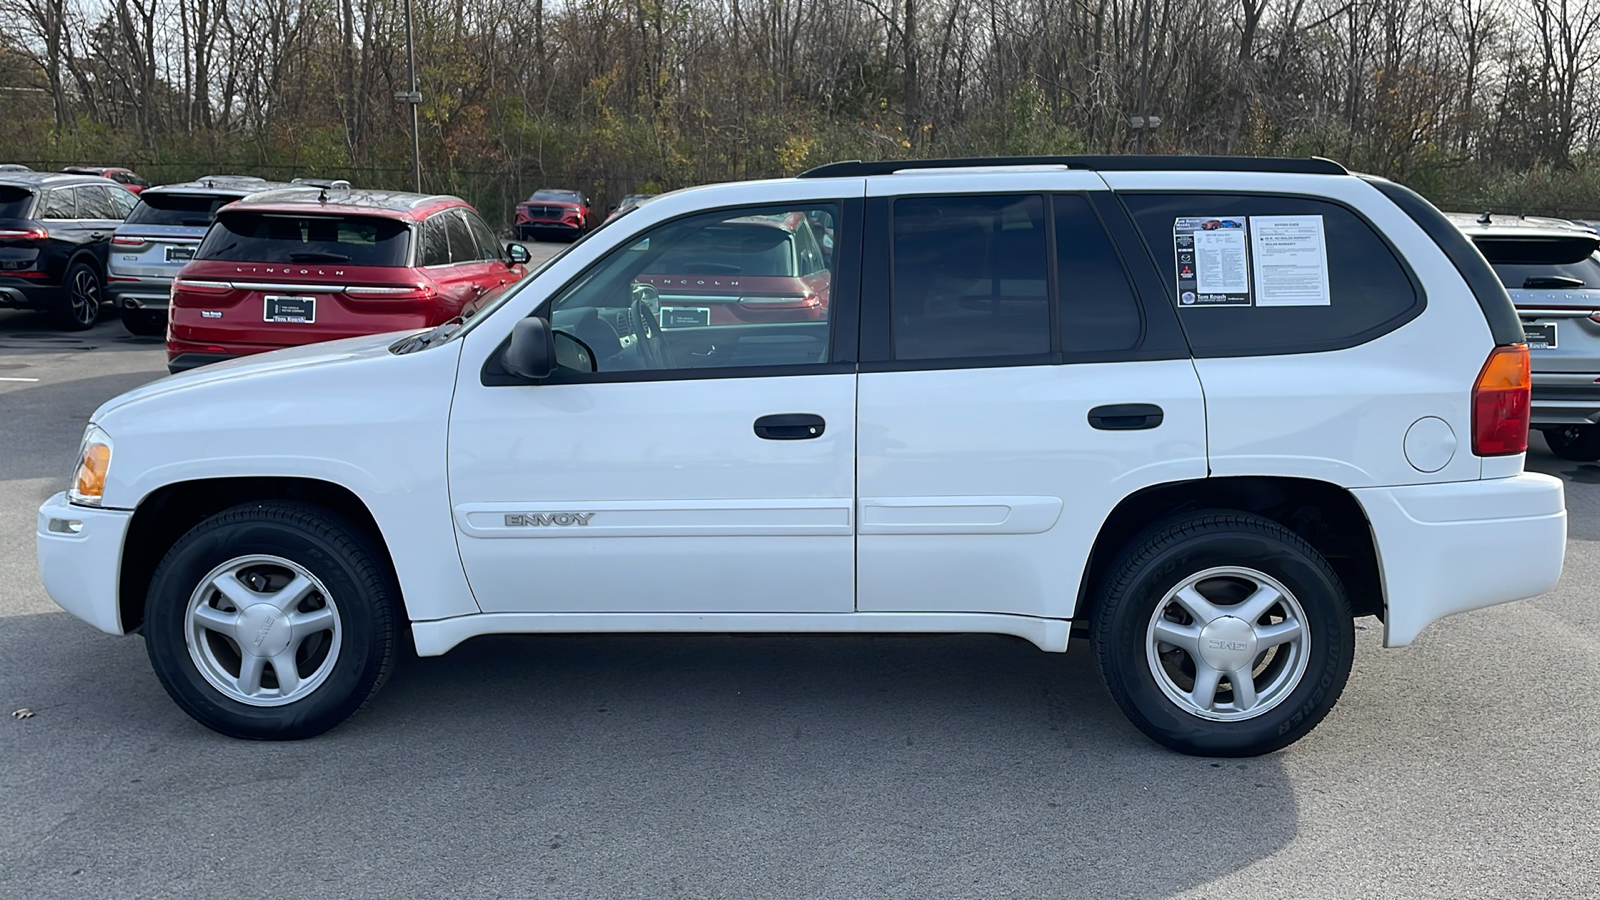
[195, 210]
[287, 237]
[14, 202]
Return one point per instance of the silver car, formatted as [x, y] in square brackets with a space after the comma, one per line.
[158, 237]
[1550, 268]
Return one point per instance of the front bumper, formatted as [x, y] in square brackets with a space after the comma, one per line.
[80, 558]
[1448, 548]
[1566, 398]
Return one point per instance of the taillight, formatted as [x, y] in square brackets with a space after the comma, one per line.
[201, 287]
[122, 240]
[1501, 402]
[28, 234]
[397, 292]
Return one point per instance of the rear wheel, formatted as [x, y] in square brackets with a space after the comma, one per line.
[1223, 634]
[81, 293]
[271, 621]
[143, 322]
[1579, 443]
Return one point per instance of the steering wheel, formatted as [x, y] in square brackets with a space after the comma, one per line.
[644, 315]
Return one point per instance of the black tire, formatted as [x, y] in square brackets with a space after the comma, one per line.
[144, 323]
[1579, 443]
[355, 659]
[1124, 624]
[82, 292]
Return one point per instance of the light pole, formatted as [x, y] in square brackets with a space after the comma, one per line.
[1144, 76]
[414, 98]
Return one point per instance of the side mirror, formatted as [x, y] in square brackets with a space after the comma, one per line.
[518, 254]
[532, 351]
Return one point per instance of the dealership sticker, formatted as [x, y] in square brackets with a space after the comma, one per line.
[1211, 254]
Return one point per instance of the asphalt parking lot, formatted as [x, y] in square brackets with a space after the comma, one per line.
[772, 767]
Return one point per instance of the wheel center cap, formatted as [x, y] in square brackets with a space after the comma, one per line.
[1228, 644]
[262, 630]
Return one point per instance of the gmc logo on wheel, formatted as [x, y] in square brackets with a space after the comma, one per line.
[518, 520]
[1227, 645]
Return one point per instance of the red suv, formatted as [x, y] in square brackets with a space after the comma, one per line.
[124, 177]
[554, 214]
[751, 269]
[306, 264]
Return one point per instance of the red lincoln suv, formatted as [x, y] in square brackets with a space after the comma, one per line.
[753, 269]
[306, 264]
[554, 214]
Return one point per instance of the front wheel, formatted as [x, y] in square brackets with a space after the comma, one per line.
[271, 621]
[1223, 634]
[1579, 443]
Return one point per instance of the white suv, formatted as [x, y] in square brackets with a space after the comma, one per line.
[1204, 411]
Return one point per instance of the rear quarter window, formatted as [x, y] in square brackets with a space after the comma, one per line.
[1370, 291]
[291, 238]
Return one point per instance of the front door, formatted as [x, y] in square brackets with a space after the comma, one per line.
[706, 465]
[1015, 384]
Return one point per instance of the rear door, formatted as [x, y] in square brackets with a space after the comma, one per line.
[1016, 383]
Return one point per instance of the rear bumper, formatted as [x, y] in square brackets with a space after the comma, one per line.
[28, 293]
[1566, 398]
[80, 554]
[150, 294]
[1449, 548]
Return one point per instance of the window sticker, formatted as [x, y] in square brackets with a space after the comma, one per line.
[1212, 258]
[1291, 260]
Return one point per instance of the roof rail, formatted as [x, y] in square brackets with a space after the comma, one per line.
[1312, 166]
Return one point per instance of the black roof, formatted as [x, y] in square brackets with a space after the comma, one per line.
[50, 179]
[1128, 163]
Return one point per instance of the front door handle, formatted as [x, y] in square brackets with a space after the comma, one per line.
[790, 427]
[1125, 416]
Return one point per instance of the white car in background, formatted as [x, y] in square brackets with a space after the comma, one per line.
[1040, 396]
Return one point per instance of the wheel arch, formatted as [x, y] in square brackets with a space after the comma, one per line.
[168, 512]
[1325, 515]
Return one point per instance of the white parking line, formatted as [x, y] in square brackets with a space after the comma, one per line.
[18, 379]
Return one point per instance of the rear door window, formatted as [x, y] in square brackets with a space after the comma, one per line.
[970, 278]
[1099, 311]
[292, 238]
[1367, 291]
[191, 210]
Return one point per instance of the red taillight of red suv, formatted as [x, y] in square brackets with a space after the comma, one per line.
[1501, 402]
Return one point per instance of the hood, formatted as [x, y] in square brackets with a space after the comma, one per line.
[326, 355]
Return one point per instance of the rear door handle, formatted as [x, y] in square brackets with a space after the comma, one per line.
[1125, 416]
[790, 427]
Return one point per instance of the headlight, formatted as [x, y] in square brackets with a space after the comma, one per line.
[94, 459]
